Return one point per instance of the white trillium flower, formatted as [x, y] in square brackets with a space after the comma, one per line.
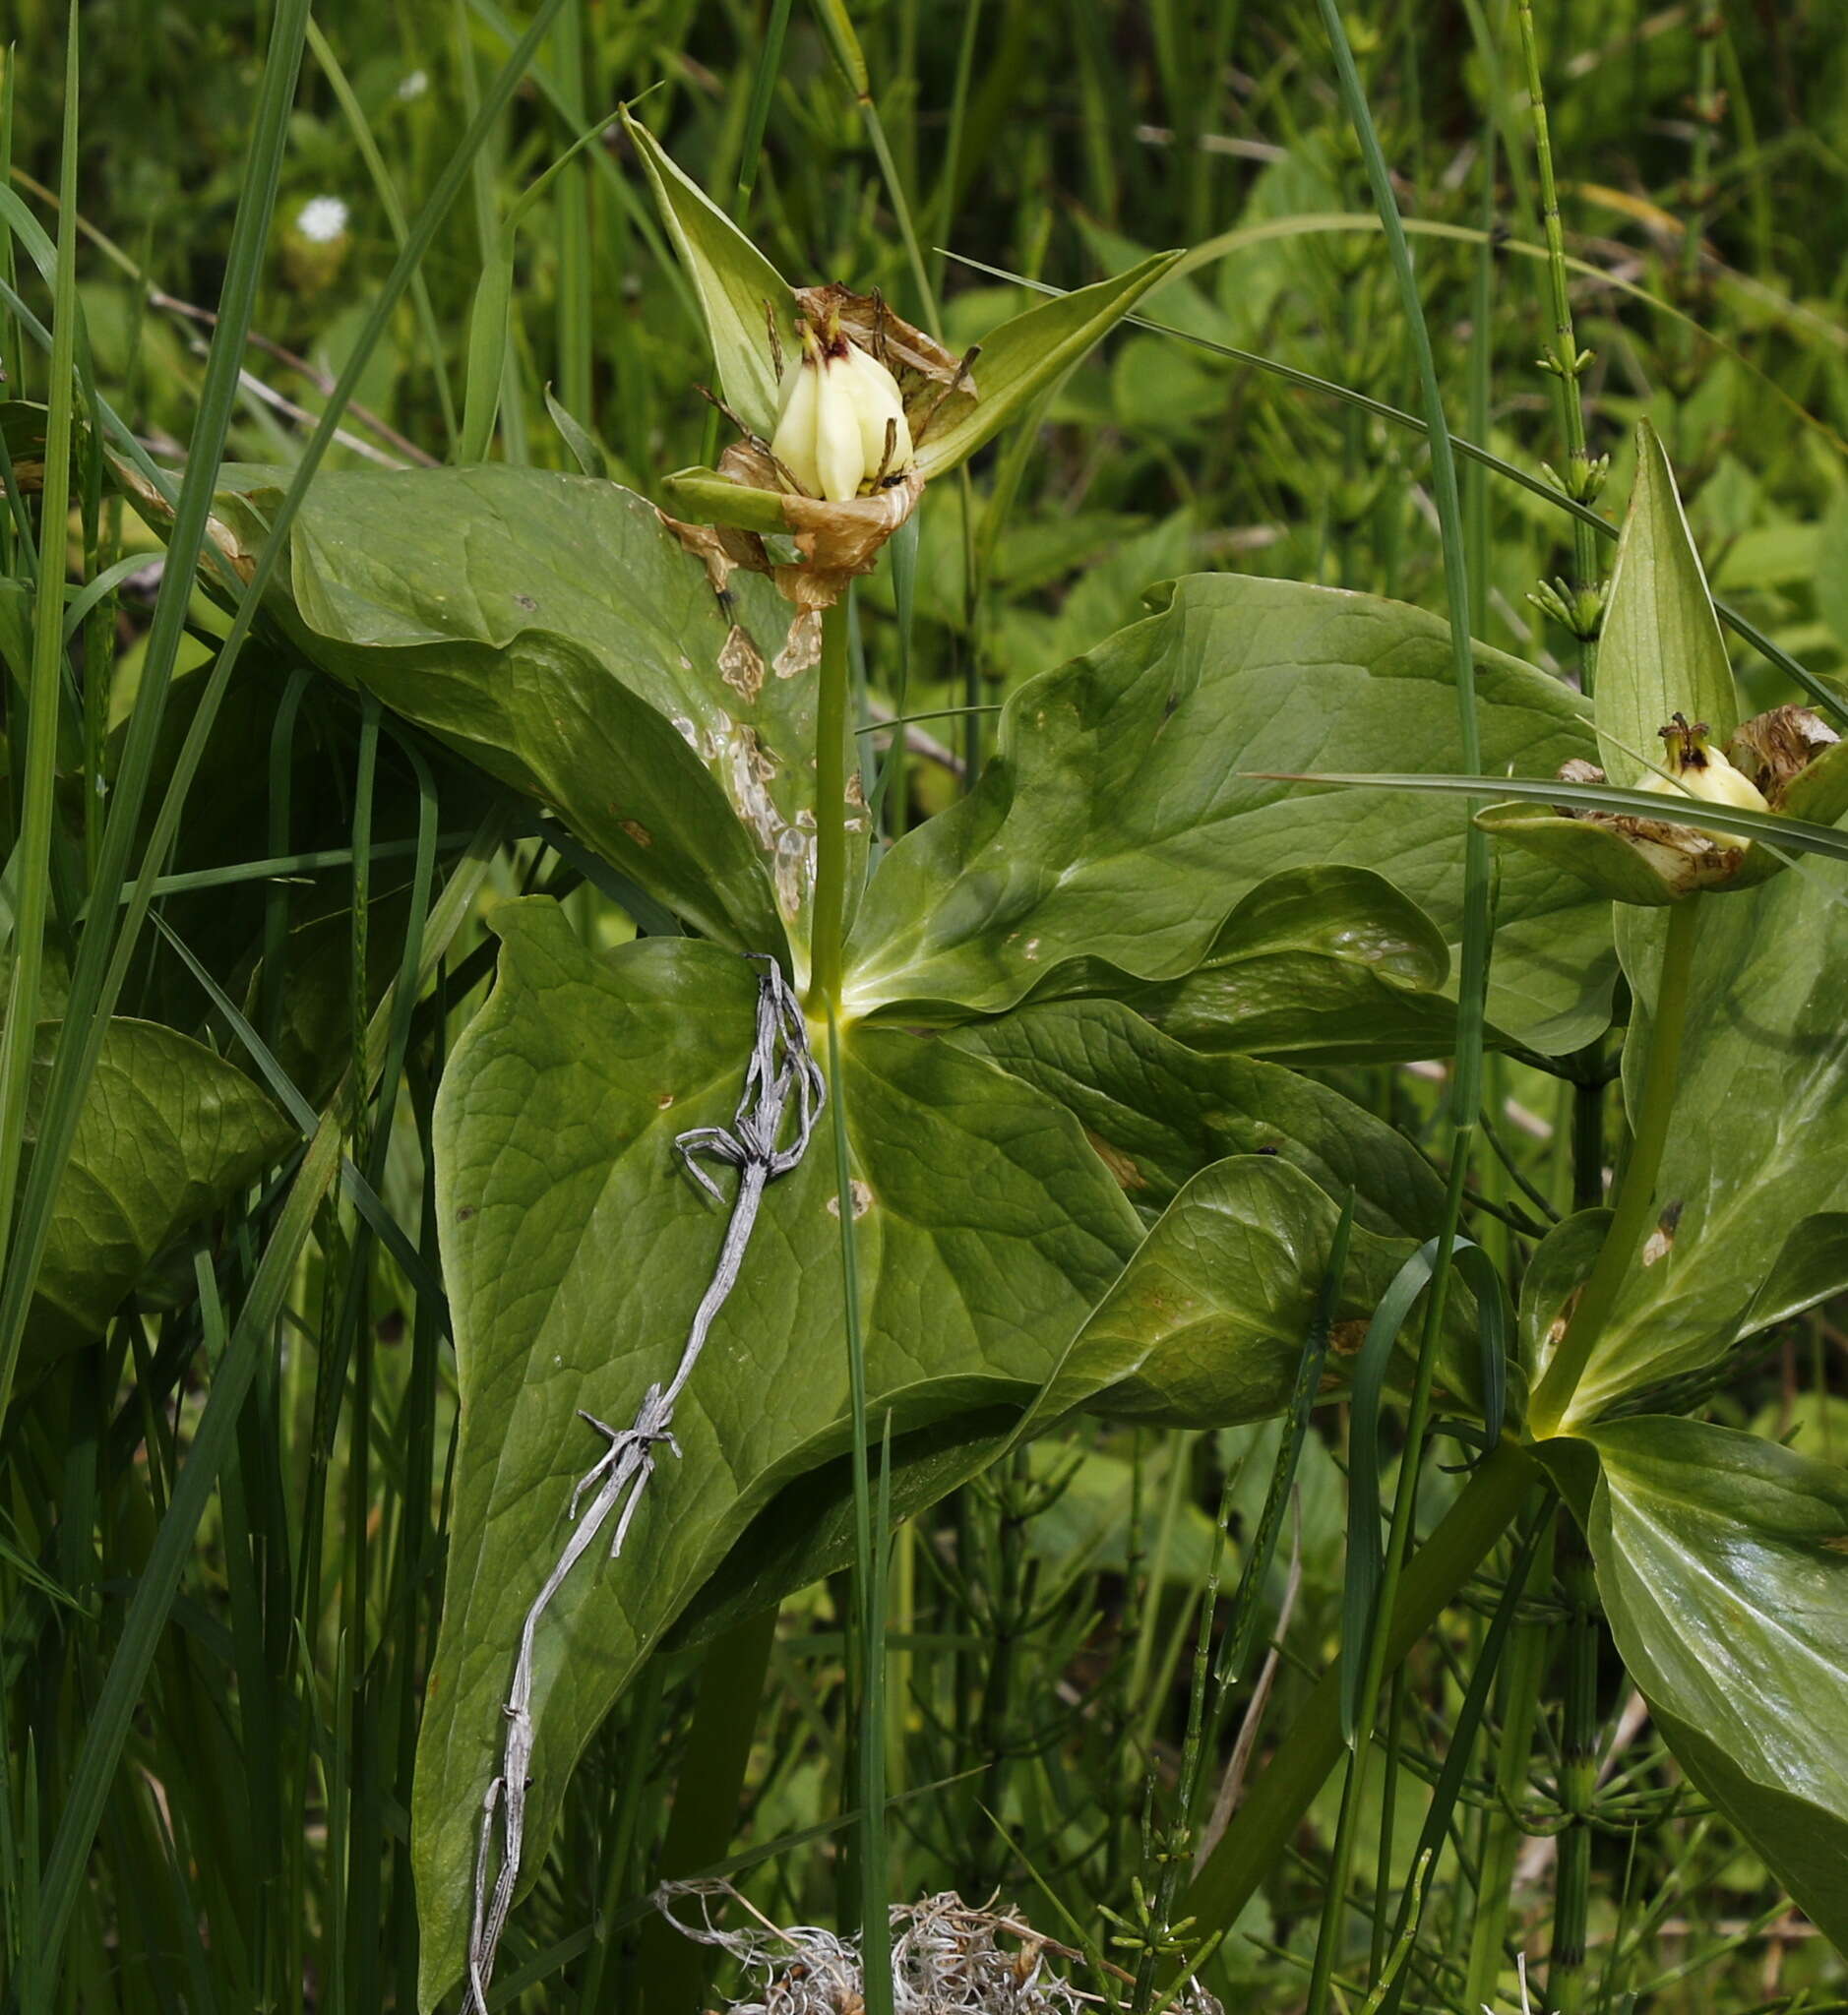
[841, 423]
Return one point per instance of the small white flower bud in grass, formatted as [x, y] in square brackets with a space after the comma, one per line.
[841, 424]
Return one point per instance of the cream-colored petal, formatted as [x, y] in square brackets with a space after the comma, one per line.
[793, 443]
[878, 403]
[839, 463]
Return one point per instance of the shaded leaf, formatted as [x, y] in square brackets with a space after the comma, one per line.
[1723, 1562]
[1205, 1326]
[167, 1136]
[1317, 964]
[1121, 820]
[1561, 1265]
[1157, 1114]
[552, 628]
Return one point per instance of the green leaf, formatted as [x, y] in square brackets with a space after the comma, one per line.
[1205, 1326]
[574, 1253]
[1317, 964]
[1024, 355]
[1660, 652]
[1123, 816]
[734, 281]
[1561, 1265]
[168, 1134]
[1723, 1563]
[1754, 1178]
[487, 353]
[1158, 1113]
[553, 630]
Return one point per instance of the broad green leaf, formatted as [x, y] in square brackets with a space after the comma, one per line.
[1205, 1326]
[574, 1253]
[1324, 961]
[168, 1134]
[738, 288]
[1024, 355]
[1660, 652]
[1317, 964]
[1158, 1113]
[1754, 1183]
[552, 628]
[1723, 1563]
[1123, 816]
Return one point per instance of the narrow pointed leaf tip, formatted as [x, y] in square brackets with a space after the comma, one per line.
[1025, 355]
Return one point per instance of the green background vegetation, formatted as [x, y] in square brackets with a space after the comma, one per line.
[252, 1843]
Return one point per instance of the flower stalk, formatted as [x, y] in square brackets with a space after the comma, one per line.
[830, 815]
[1582, 607]
[1552, 1400]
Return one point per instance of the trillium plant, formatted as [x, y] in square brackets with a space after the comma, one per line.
[869, 1159]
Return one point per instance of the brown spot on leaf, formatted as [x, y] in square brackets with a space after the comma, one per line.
[526, 602]
[801, 647]
[638, 832]
[1556, 1328]
[1346, 1339]
[862, 1202]
[742, 664]
[1128, 1175]
[1660, 1242]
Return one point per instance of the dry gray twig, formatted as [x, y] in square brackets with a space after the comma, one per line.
[781, 1079]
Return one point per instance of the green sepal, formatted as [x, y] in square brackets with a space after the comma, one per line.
[732, 279]
[1660, 650]
[1599, 856]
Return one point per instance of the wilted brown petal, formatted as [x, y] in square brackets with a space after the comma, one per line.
[1771, 747]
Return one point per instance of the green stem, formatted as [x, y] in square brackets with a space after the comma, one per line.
[1636, 1197]
[1563, 359]
[1501, 1834]
[831, 814]
[1578, 1774]
[38, 807]
[1253, 1844]
[1707, 113]
[869, 1749]
[1380, 1657]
